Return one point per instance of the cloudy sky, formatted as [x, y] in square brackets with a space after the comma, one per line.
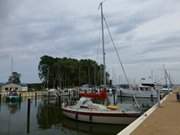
[146, 33]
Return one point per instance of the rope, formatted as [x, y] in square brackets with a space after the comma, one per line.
[116, 50]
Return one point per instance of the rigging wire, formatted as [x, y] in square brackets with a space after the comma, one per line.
[117, 53]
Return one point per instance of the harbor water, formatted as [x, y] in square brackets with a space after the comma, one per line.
[47, 119]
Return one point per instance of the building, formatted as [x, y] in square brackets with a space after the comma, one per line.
[12, 86]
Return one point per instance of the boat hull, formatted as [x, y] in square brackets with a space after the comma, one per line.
[138, 94]
[101, 117]
[13, 98]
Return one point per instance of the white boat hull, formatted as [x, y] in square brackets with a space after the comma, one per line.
[165, 90]
[138, 94]
[112, 117]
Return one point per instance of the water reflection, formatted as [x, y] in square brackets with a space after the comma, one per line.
[92, 129]
[48, 115]
[13, 107]
[47, 119]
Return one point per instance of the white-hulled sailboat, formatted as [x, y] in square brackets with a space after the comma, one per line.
[87, 111]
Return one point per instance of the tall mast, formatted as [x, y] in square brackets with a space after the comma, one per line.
[103, 49]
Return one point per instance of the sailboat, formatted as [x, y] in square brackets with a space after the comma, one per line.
[87, 111]
[168, 83]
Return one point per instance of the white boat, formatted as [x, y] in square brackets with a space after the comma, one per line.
[166, 90]
[67, 92]
[87, 111]
[50, 95]
[141, 91]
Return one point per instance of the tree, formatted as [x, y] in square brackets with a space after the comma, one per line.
[69, 72]
[14, 78]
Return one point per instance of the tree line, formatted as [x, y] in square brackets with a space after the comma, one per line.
[70, 72]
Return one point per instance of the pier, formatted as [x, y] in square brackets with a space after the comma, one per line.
[163, 120]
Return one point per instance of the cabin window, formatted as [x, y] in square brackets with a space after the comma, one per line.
[6, 89]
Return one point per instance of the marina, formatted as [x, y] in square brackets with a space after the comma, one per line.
[105, 67]
[47, 118]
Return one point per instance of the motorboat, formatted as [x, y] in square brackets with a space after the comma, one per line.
[139, 91]
[50, 95]
[87, 111]
[166, 90]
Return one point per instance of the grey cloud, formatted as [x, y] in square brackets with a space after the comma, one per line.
[154, 60]
[164, 44]
[28, 36]
[7, 7]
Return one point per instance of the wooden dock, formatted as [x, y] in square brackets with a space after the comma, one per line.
[165, 120]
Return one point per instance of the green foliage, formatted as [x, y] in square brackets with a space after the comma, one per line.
[14, 78]
[69, 72]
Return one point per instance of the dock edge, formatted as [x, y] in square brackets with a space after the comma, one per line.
[130, 128]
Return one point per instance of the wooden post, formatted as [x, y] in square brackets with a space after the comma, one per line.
[28, 115]
[0, 102]
[114, 94]
[152, 98]
[120, 94]
[158, 96]
[0, 98]
[35, 98]
[59, 101]
[48, 97]
[20, 97]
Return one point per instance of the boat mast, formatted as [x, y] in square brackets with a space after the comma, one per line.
[103, 49]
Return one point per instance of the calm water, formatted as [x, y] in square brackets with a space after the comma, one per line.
[46, 120]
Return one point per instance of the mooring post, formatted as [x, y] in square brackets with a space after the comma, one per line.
[48, 97]
[0, 102]
[59, 101]
[158, 96]
[35, 98]
[0, 98]
[69, 94]
[35, 95]
[152, 98]
[120, 94]
[28, 114]
[114, 94]
[20, 97]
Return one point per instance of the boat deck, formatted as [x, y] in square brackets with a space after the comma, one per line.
[164, 120]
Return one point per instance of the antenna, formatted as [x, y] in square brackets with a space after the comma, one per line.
[11, 64]
[100, 4]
